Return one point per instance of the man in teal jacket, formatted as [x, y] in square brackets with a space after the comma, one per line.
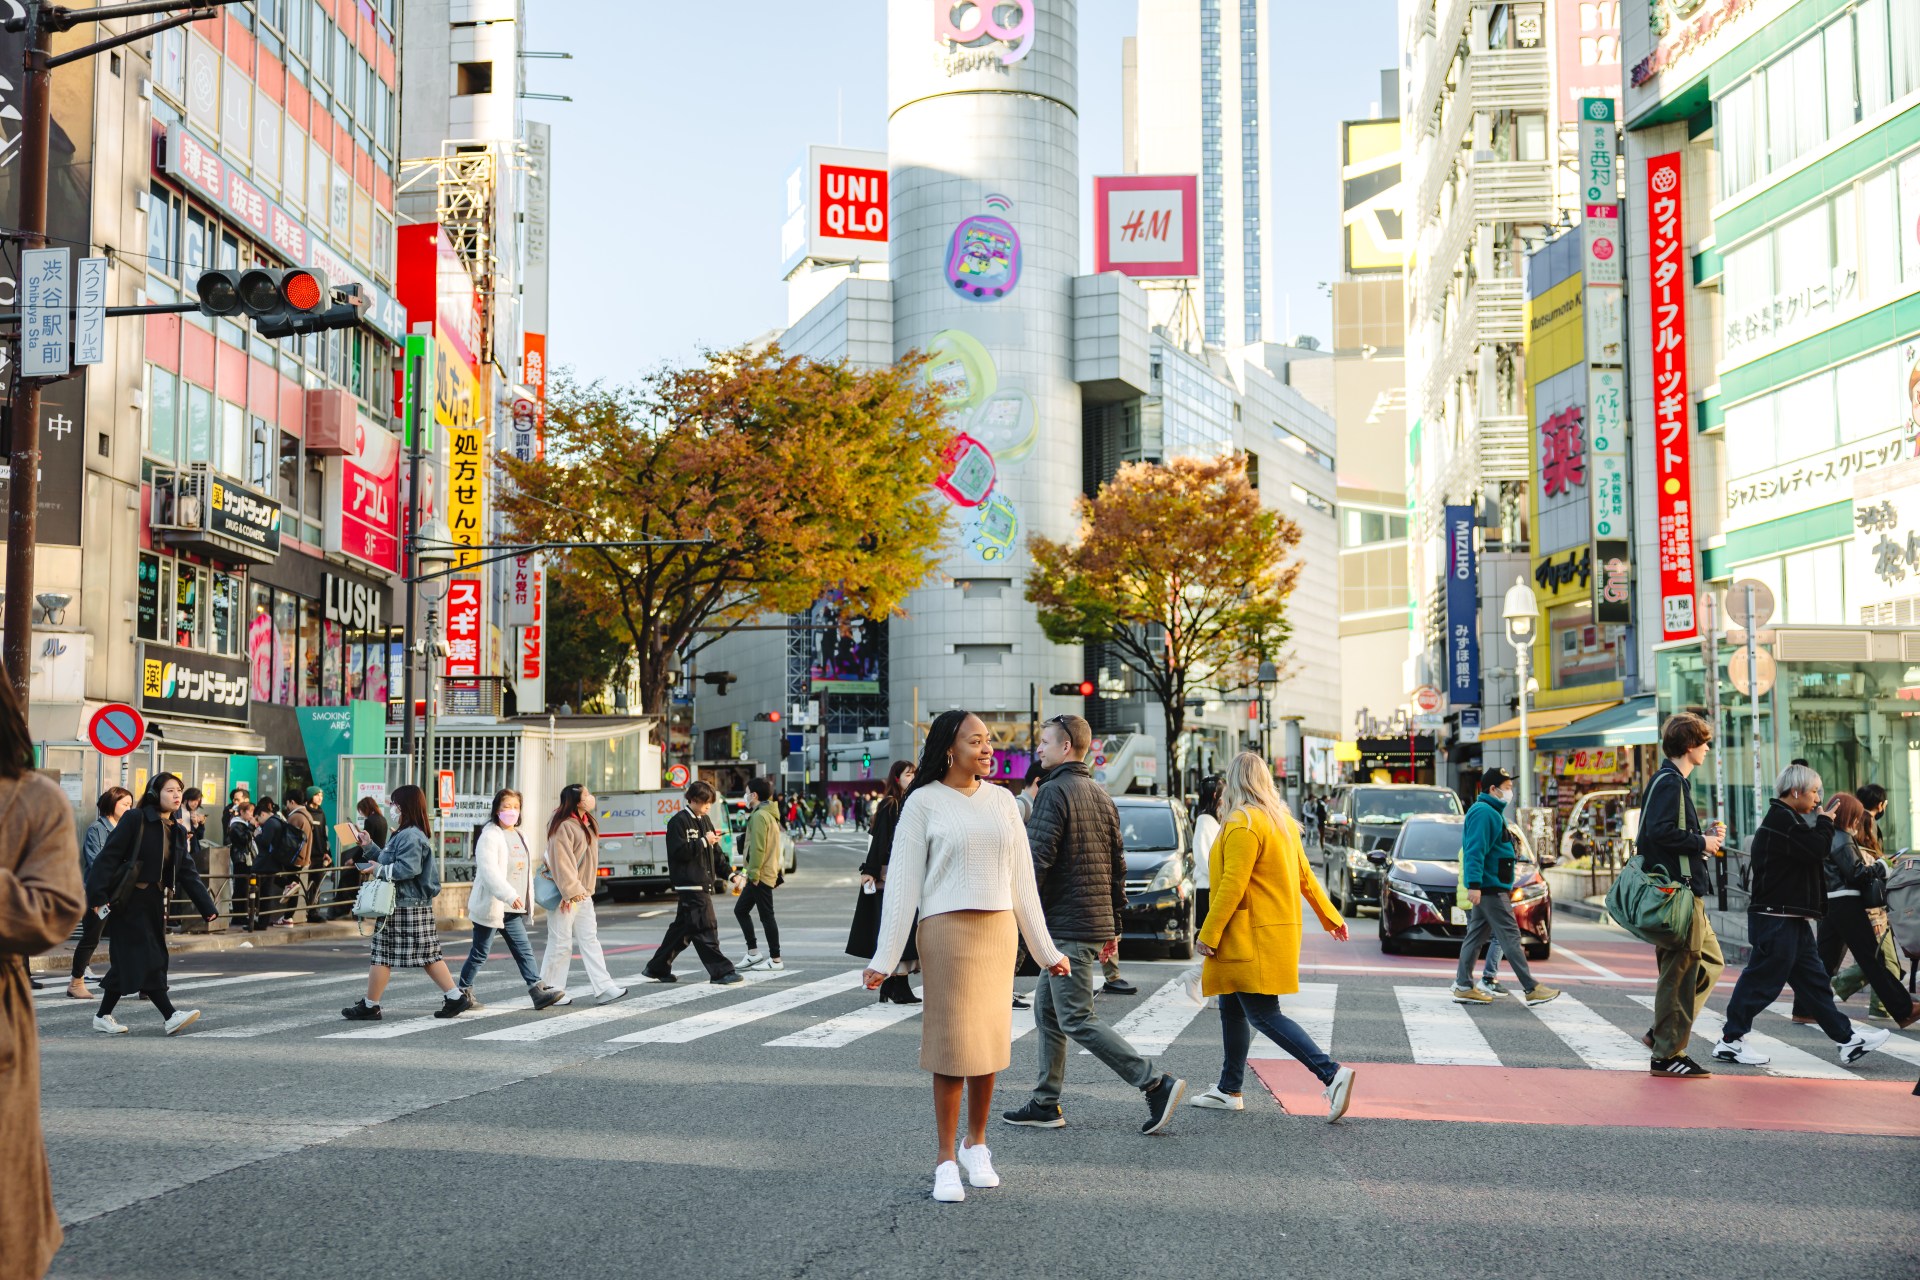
[1486, 866]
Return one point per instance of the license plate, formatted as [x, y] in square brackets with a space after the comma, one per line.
[1457, 916]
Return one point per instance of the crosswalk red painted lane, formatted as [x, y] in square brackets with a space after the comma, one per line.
[1559, 1096]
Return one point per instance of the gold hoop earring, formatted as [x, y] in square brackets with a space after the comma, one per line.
[949, 759]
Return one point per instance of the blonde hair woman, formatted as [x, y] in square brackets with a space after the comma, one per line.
[1251, 938]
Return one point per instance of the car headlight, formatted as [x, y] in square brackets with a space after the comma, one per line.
[1167, 877]
[1357, 861]
[1406, 888]
[1529, 892]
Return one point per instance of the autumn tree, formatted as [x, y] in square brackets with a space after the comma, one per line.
[1180, 572]
[585, 653]
[781, 477]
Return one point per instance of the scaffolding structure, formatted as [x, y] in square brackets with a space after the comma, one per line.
[466, 179]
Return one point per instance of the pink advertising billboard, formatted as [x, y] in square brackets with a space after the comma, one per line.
[1147, 226]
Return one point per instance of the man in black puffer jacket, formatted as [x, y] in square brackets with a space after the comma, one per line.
[1789, 853]
[1081, 868]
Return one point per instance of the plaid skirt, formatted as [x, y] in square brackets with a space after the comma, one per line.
[407, 939]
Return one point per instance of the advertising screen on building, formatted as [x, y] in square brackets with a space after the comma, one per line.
[1587, 49]
[844, 654]
[838, 208]
[1672, 406]
[1147, 226]
[1372, 196]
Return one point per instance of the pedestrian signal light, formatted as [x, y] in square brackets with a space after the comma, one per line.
[1072, 689]
[866, 759]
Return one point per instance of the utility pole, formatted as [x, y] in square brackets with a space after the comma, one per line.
[40, 22]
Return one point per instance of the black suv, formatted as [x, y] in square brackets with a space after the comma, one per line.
[1363, 818]
[1158, 916]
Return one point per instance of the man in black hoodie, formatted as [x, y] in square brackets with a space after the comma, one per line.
[1789, 854]
[694, 862]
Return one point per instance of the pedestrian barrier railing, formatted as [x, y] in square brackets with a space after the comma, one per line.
[253, 899]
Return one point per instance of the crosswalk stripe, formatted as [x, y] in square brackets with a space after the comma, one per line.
[739, 1015]
[1158, 1020]
[1898, 1046]
[655, 997]
[175, 988]
[413, 1026]
[1600, 1044]
[1440, 1030]
[1312, 1010]
[251, 1030]
[1022, 1023]
[1787, 1060]
[836, 1033]
[59, 993]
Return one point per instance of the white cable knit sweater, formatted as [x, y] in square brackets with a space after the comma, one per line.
[958, 852]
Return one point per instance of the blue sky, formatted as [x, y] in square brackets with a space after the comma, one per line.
[670, 163]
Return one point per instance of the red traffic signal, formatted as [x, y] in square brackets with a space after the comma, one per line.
[281, 302]
[768, 717]
[1071, 689]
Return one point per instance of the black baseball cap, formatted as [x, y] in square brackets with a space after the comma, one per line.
[1493, 778]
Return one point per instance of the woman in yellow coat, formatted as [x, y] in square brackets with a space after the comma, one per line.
[1251, 938]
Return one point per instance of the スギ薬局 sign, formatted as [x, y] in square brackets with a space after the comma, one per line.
[1672, 406]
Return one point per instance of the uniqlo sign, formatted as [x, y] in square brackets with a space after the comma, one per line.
[463, 628]
[1672, 407]
[852, 203]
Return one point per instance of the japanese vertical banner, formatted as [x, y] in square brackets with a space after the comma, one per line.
[1463, 600]
[1672, 406]
[467, 487]
[463, 628]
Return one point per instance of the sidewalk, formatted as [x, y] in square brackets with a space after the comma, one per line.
[1730, 927]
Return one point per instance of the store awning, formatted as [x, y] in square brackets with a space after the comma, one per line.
[1631, 724]
[1543, 720]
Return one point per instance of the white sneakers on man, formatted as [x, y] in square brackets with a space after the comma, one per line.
[1739, 1051]
[978, 1162]
[181, 1019]
[107, 1024]
[946, 1183]
[1865, 1041]
[1214, 1100]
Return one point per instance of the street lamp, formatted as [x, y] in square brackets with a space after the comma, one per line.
[1522, 612]
[1269, 676]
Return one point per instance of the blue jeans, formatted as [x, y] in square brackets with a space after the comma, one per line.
[514, 929]
[1240, 1012]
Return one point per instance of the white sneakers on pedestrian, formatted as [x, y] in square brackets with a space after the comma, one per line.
[107, 1024]
[1338, 1094]
[946, 1183]
[1738, 1051]
[776, 965]
[978, 1162]
[608, 997]
[1214, 1100]
[1865, 1041]
[181, 1019]
[751, 960]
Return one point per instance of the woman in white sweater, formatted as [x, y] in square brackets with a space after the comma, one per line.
[502, 896]
[960, 860]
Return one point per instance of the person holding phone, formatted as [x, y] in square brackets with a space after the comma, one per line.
[960, 861]
[1789, 857]
[697, 867]
[409, 938]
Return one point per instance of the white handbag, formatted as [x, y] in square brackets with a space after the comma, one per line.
[375, 901]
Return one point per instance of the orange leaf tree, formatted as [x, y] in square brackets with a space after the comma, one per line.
[806, 477]
[1179, 571]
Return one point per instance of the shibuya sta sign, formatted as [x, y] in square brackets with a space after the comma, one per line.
[980, 34]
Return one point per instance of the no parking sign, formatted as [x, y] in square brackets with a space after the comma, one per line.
[116, 729]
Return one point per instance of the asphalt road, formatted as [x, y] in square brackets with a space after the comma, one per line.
[751, 1133]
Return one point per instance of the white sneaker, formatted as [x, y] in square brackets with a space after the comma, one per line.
[608, 997]
[751, 960]
[1214, 1100]
[1486, 988]
[979, 1165]
[776, 965]
[1338, 1094]
[1865, 1041]
[1738, 1051]
[109, 1025]
[182, 1018]
[564, 1000]
[946, 1183]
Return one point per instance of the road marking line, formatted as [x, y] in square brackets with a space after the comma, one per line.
[1023, 1020]
[1898, 1046]
[1787, 1060]
[836, 1033]
[739, 1015]
[486, 987]
[1158, 1020]
[412, 1026]
[175, 988]
[1600, 1044]
[59, 993]
[661, 996]
[1561, 948]
[1312, 1009]
[1440, 1030]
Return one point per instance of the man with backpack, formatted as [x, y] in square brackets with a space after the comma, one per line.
[293, 854]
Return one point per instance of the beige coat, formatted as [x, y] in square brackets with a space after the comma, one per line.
[573, 858]
[40, 902]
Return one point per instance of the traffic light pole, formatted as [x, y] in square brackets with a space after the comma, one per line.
[415, 430]
[40, 21]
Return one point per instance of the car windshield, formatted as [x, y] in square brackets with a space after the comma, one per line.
[1429, 842]
[1385, 806]
[1144, 827]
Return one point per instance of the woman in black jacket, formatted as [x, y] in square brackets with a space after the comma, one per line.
[147, 860]
[865, 934]
[1846, 925]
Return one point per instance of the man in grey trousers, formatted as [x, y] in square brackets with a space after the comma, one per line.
[1081, 869]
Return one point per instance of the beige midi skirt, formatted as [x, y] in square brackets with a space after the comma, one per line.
[967, 960]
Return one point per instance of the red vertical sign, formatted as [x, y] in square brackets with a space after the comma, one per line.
[1672, 407]
[463, 628]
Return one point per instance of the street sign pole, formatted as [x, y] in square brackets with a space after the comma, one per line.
[1710, 670]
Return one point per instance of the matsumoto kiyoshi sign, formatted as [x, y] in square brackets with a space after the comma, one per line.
[175, 682]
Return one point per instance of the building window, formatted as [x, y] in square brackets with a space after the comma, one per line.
[1253, 469]
[1299, 445]
[163, 415]
[1308, 498]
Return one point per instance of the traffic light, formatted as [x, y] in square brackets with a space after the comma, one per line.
[771, 717]
[719, 680]
[281, 302]
[866, 757]
[1075, 689]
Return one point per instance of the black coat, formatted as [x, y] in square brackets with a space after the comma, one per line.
[1845, 868]
[1790, 863]
[375, 825]
[691, 861]
[863, 938]
[1670, 841]
[136, 930]
[1078, 858]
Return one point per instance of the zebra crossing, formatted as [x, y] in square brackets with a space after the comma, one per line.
[1600, 1032]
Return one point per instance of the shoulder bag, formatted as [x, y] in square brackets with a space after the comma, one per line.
[1873, 886]
[1650, 906]
[375, 901]
[546, 890]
